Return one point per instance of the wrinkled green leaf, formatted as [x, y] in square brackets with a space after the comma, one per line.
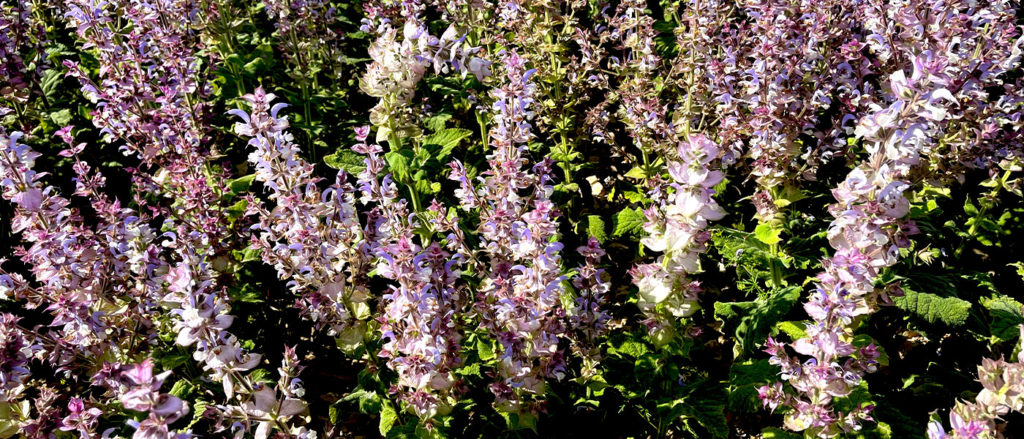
[198, 408]
[398, 163]
[705, 404]
[436, 123]
[751, 321]
[795, 330]
[933, 308]
[630, 348]
[744, 379]
[1007, 314]
[260, 375]
[181, 389]
[628, 221]
[767, 234]
[447, 140]
[486, 350]
[595, 228]
[346, 160]
[61, 117]
[332, 414]
[369, 401]
[388, 416]
[50, 81]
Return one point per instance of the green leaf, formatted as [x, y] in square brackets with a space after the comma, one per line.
[61, 118]
[332, 414]
[636, 173]
[436, 123]
[595, 228]
[705, 404]
[486, 350]
[181, 389]
[351, 339]
[388, 416]
[767, 234]
[526, 421]
[744, 379]
[50, 81]
[570, 188]
[198, 408]
[241, 184]
[425, 186]
[564, 157]
[752, 321]
[471, 370]
[858, 397]
[10, 413]
[1007, 314]
[246, 293]
[398, 163]
[254, 67]
[635, 197]
[711, 416]
[259, 375]
[346, 160]
[726, 311]
[789, 194]
[447, 139]
[369, 402]
[234, 59]
[235, 211]
[629, 348]
[173, 359]
[933, 308]
[880, 430]
[421, 159]
[751, 258]
[628, 221]
[795, 330]
[248, 255]
[413, 430]
[1020, 269]
[969, 208]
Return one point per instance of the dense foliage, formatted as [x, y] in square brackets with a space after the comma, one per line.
[468, 219]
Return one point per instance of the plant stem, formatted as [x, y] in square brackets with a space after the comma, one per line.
[776, 270]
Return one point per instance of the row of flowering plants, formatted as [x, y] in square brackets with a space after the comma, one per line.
[474, 219]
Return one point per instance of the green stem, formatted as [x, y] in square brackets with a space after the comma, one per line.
[480, 120]
[308, 120]
[647, 163]
[567, 150]
[414, 196]
[21, 115]
[776, 270]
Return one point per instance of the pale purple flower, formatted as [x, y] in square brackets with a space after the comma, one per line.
[80, 419]
[677, 228]
[311, 236]
[519, 302]
[902, 128]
